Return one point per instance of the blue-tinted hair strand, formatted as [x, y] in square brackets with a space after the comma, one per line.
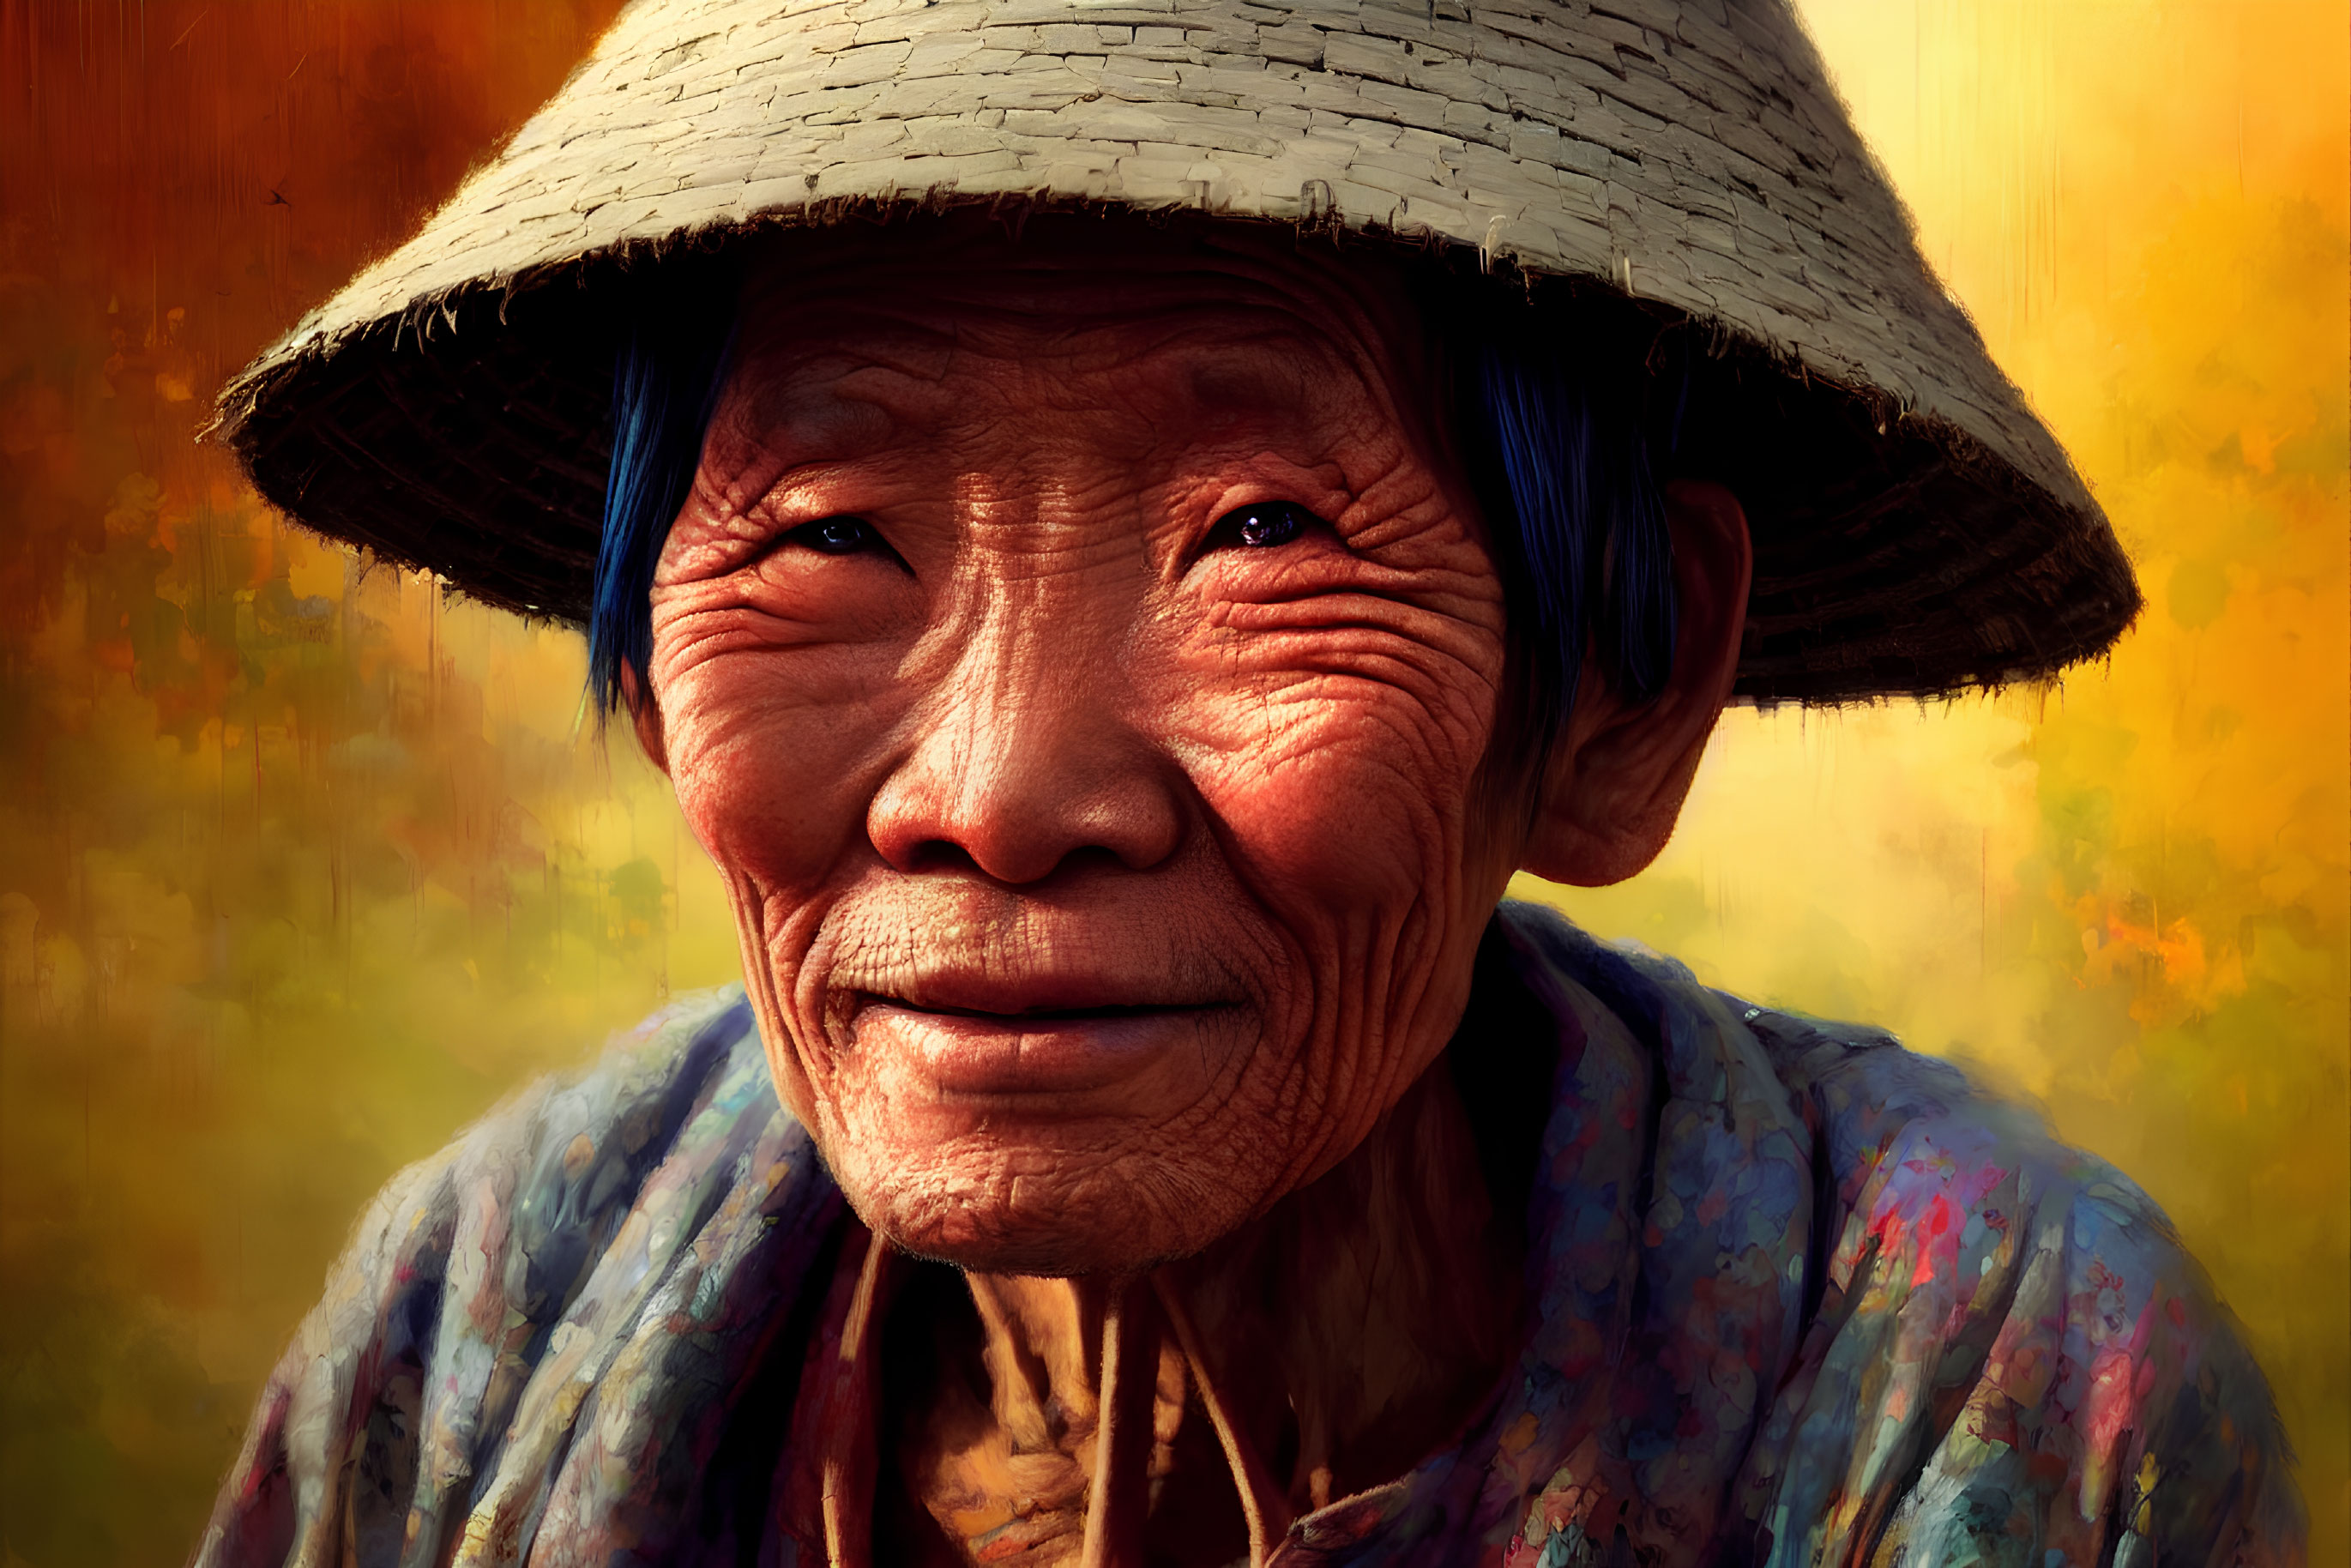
[1587, 522]
[666, 383]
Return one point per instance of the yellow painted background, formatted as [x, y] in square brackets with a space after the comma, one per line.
[301, 866]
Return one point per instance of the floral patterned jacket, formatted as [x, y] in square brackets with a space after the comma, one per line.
[1802, 1296]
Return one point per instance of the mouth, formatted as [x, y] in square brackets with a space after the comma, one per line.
[1046, 1014]
[1043, 1048]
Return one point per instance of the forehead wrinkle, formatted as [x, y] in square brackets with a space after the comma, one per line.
[1188, 394]
[804, 380]
[1285, 358]
[1200, 387]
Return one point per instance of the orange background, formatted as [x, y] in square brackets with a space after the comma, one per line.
[302, 865]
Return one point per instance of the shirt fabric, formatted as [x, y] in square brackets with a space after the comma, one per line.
[1800, 1297]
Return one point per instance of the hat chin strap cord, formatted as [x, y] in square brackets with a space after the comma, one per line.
[1263, 1503]
[1119, 1501]
[1138, 1311]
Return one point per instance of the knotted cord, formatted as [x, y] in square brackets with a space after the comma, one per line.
[1138, 1317]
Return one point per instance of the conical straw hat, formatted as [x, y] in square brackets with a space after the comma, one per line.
[1918, 530]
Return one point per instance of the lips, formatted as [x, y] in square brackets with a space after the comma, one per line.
[994, 992]
[1078, 1000]
[987, 1036]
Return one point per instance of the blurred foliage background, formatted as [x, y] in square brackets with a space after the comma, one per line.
[303, 865]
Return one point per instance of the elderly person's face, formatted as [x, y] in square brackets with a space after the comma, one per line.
[1083, 661]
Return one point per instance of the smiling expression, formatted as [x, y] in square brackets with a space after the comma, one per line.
[1081, 657]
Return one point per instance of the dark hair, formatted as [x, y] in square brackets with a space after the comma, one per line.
[665, 387]
[1556, 447]
[1558, 455]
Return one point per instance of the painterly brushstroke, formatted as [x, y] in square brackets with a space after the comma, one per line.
[1991, 1350]
[301, 865]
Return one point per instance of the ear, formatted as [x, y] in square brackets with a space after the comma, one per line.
[645, 717]
[1617, 775]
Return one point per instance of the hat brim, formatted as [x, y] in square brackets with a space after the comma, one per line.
[1894, 557]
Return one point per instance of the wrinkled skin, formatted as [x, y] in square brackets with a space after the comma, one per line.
[1102, 876]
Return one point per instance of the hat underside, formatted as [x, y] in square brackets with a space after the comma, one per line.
[1894, 557]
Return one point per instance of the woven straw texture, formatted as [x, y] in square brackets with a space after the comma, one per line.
[1918, 530]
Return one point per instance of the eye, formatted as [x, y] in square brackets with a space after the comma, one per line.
[1262, 526]
[837, 536]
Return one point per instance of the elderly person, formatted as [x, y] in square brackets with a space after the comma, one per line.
[1125, 530]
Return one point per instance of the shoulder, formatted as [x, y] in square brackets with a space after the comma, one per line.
[490, 1289]
[2012, 1347]
[2002, 1352]
[535, 1180]
[557, 1159]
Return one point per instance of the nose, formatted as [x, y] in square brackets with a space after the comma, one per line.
[1024, 761]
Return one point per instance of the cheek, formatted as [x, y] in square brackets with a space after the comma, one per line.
[1332, 802]
[768, 770]
[1345, 798]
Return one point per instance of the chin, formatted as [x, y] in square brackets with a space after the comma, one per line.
[1008, 1211]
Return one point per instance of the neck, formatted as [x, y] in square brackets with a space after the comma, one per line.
[1322, 1349]
[1367, 1316]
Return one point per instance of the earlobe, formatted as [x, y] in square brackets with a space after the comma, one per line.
[645, 717]
[1617, 775]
